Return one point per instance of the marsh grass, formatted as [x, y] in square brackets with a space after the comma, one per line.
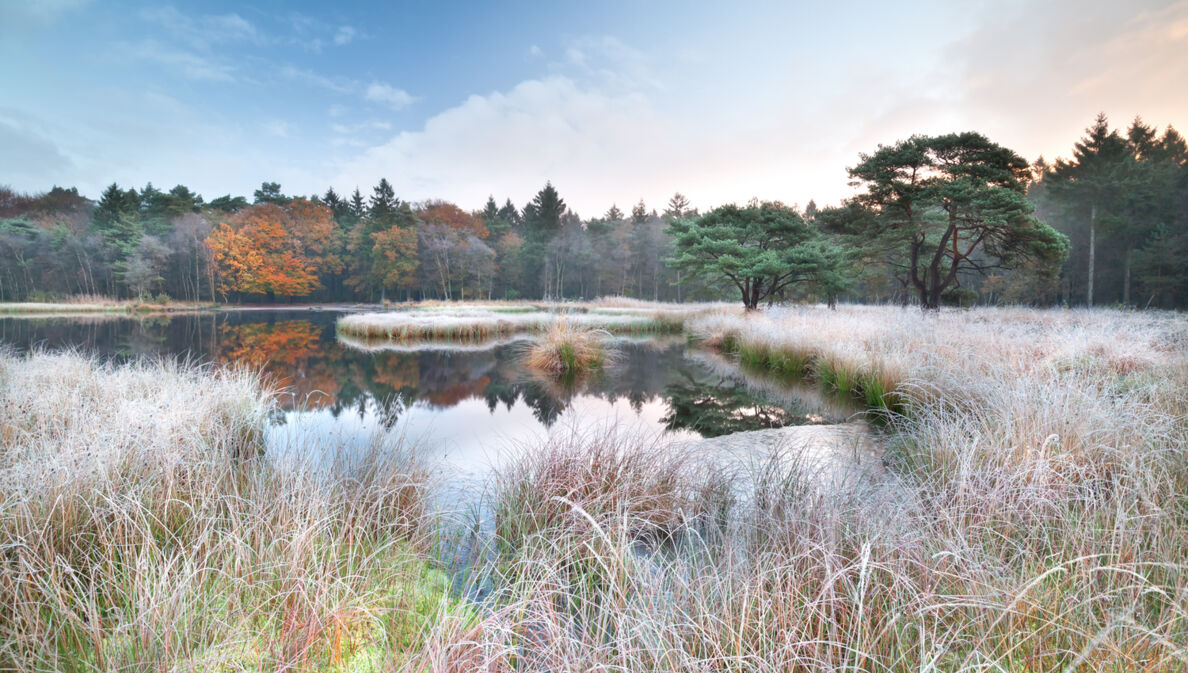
[96, 304]
[568, 349]
[1037, 520]
[145, 529]
[481, 322]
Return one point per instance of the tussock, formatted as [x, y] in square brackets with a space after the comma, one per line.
[567, 349]
[144, 528]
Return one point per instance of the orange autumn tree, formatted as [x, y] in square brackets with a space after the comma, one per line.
[446, 214]
[271, 249]
[394, 256]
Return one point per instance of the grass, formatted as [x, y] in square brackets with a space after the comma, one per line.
[567, 349]
[469, 323]
[144, 529]
[1037, 520]
[96, 304]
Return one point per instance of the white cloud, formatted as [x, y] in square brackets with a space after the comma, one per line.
[344, 35]
[19, 16]
[535, 52]
[314, 79]
[279, 128]
[185, 63]
[588, 142]
[204, 31]
[388, 95]
[365, 126]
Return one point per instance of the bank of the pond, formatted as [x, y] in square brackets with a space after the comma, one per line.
[50, 309]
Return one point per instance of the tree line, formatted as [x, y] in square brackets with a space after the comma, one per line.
[950, 219]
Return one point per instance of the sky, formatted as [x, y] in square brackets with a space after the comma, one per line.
[612, 102]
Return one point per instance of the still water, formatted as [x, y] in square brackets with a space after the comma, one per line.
[466, 404]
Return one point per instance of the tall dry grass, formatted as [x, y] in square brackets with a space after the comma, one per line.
[144, 529]
[1039, 521]
[482, 322]
[567, 349]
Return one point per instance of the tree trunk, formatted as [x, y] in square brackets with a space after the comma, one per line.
[1092, 252]
[1126, 279]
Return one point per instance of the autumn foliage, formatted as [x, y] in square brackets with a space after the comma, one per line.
[272, 249]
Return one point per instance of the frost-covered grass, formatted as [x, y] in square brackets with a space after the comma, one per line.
[92, 305]
[1040, 518]
[143, 529]
[567, 349]
[1038, 521]
[480, 322]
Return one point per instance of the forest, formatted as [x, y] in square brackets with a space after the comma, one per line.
[1108, 225]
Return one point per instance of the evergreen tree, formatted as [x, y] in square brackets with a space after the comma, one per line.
[357, 206]
[678, 206]
[228, 204]
[944, 204]
[383, 207]
[508, 213]
[1091, 186]
[543, 215]
[759, 250]
[270, 192]
[113, 204]
[639, 213]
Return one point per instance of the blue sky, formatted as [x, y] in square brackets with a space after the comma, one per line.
[612, 101]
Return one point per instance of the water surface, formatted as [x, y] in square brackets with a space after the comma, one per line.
[466, 403]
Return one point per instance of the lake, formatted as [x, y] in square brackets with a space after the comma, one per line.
[466, 405]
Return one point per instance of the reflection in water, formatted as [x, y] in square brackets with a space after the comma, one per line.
[467, 394]
[713, 405]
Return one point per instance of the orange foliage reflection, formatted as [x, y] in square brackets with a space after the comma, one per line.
[290, 353]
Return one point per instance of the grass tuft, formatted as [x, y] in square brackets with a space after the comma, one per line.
[567, 349]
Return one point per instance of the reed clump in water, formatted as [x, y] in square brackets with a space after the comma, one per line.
[568, 349]
[145, 528]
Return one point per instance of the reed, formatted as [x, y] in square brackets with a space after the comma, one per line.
[1037, 519]
[144, 529]
[486, 323]
[567, 349]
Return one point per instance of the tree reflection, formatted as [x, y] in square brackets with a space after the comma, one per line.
[299, 352]
[713, 405]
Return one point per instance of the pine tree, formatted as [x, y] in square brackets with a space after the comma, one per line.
[639, 213]
[383, 207]
[270, 192]
[113, 204]
[1091, 184]
[357, 206]
[678, 206]
[543, 215]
